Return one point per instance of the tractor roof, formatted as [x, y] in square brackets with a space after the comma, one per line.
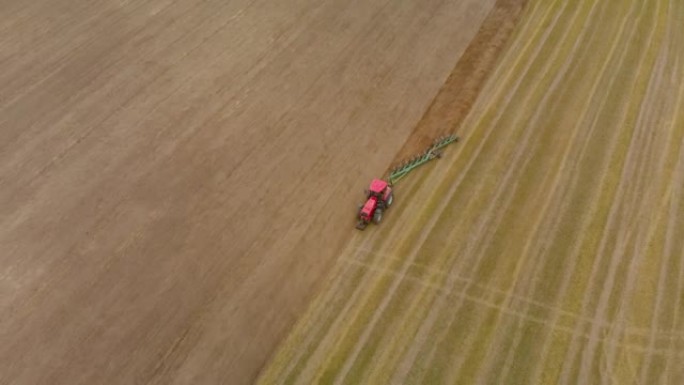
[378, 185]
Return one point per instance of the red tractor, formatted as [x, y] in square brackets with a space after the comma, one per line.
[379, 196]
[378, 199]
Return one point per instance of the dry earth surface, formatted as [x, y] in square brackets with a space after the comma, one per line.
[548, 246]
[176, 176]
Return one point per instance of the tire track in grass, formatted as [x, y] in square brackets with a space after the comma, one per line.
[674, 243]
[478, 340]
[563, 286]
[414, 349]
[629, 163]
[618, 150]
[493, 360]
[573, 183]
[673, 228]
[675, 225]
[515, 218]
[337, 293]
[495, 304]
[544, 372]
[654, 114]
[447, 328]
[663, 335]
[422, 235]
[420, 304]
[611, 328]
[661, 254]
[637, 227]
[319, 319]
[477, 265]
[399, 339]
[557, 313]
[642, 229]
[351, 304]
[450, 277]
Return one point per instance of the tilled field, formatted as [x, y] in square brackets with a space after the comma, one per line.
[548, 246]
[177, 175]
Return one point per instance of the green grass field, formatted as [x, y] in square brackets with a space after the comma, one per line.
[548, 246]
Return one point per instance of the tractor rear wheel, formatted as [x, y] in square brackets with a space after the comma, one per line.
[377, 217]
[390, 200]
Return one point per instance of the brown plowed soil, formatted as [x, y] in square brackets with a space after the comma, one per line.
[459, 92]
[177, 176]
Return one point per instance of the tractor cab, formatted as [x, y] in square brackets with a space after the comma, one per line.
[378, 188]
[382, 191]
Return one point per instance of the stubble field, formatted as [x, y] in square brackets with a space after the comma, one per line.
[546, 247]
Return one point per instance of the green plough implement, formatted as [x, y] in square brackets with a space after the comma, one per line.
[431, 153]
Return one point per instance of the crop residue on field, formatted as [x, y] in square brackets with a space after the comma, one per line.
[550, 247]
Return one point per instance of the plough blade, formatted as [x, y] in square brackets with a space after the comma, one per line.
[429, 154]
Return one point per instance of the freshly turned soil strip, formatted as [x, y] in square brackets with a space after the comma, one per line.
[459, 92]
